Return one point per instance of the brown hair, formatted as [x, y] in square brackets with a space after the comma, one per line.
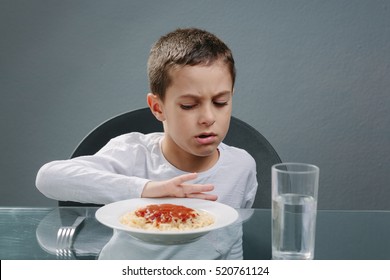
[185, 47]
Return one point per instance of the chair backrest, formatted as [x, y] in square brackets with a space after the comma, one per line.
[240, 135]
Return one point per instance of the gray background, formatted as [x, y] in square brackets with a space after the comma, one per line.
[313, 77]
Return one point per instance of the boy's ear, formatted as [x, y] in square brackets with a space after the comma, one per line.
[155, 105]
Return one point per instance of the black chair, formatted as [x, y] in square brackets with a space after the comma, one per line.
[240, 135]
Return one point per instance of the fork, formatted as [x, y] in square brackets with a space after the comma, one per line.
[65, 239]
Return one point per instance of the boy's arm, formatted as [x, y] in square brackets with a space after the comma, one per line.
[86, 180]
[90, 180]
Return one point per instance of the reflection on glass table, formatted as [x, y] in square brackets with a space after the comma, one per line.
[88, 241]
[94, 240]
[30, 234]
[219, 244]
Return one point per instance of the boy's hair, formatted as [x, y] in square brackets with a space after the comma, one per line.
[185, 47]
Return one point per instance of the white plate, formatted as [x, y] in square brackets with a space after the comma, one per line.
[110, 214]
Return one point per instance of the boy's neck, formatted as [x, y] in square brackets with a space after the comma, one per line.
[187, 162]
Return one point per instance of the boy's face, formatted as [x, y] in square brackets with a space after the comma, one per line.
[196, 110]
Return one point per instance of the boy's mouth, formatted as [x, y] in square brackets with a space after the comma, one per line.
[205, 135]
[206, 138]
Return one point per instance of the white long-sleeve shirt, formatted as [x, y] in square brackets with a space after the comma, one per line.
[121, 169]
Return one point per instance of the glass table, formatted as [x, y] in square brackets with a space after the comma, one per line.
[30, 234]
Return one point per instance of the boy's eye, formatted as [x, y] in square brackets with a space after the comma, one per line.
[220, 103]
[187, 106]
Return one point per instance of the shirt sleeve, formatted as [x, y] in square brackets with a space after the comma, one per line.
[251, 184]
[101, 178]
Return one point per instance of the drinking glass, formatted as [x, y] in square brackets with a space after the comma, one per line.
[294, 210]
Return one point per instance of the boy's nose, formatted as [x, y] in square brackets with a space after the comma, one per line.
[207, 116]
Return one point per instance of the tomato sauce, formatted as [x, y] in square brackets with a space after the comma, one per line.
[166, 213]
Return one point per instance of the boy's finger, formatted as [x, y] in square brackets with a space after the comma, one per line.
[202, 196]
[184, 178]
[196, 188]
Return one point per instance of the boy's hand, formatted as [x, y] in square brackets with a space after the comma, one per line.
[177, 187]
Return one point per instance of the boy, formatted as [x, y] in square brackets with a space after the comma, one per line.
[192, 75]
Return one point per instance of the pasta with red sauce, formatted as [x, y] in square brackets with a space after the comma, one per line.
[167, 217]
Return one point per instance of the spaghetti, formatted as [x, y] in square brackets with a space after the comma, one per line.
[167, 217]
